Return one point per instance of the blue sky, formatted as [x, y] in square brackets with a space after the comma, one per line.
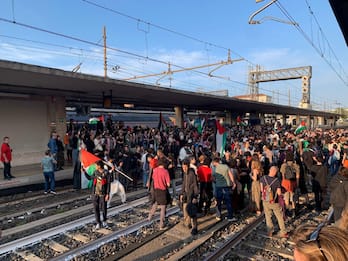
[143, 36]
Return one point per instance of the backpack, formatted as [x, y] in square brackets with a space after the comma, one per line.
[267, 192]
[290, 173]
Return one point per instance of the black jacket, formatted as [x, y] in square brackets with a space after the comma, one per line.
[339, 190]
[189, 186]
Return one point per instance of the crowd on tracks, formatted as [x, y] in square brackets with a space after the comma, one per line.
[264, 168]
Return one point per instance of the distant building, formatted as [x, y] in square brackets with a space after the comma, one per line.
[257, 97]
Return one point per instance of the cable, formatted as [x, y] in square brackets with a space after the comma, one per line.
[316, 48]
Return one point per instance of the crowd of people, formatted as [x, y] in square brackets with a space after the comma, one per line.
[235, 177]
[264, 168]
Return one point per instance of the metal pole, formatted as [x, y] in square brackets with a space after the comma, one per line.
[105, 61]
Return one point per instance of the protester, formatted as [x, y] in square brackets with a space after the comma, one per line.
[100, 193]
[205, 186]
[224, 186]
[189, 196]
[255, 175]
[290, 181]
[161, 183]
[270, 200]
[52, 146]
[47, 165]
[319, 182]
[6, 158]
[339, 192]
[60, 153]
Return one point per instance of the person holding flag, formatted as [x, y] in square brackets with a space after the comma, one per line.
[100, 193]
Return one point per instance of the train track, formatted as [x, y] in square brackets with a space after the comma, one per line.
[131, 237]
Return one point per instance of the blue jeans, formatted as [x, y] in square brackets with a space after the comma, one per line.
[224, 194]
[49, 181]
[145, 177]
[334, 167]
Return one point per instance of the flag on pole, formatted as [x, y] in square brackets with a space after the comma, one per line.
[300, 128]
[198, 124]
[220, 138]
[88, 161]
[162, 124]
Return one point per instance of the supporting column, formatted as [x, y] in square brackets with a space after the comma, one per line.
[321, 121]
[228, 118]
[57, 115]
[283, 122]
[297, 120]
[308, 121]
[262, 118]
[179, 116]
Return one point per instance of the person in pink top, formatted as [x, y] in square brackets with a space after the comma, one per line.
[161, 183]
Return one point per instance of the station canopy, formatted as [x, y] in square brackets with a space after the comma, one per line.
[24, 80]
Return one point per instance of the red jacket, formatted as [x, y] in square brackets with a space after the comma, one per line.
[5, 149]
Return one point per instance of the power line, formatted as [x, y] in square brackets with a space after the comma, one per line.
[315, 47]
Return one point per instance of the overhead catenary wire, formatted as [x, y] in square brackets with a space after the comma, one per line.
[315, 47]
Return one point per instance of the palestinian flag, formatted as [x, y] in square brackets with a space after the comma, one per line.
[88, 161]
[221, 135]
[300, 128]
[198, 124]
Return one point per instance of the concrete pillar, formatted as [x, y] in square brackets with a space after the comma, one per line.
[179, 116]
[228, 118]
[283, 121]
[308, 121]
[57, 114]
[298, 120]
[262, 118]
[320, 121]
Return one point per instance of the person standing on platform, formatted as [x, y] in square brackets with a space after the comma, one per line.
[6, 158]
[60, 153]
[52, 146]
[47, 165]
[100, 193]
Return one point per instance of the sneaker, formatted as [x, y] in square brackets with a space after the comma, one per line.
[97, 226]
[53, 192]
[232, 219]
[163, 228]
[105, 224]
[218, 218]
[45, 192]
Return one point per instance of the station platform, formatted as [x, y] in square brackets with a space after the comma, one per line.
[30, 178]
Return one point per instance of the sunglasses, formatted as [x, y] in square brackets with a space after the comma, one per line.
[314, 237]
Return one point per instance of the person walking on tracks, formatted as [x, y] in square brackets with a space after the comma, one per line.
[100, 193]
[161, 183]
[189, 196]
[271, 192]
[224, 185]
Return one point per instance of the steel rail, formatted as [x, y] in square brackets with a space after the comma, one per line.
[29, 240]
[234, 240]
[107, 238]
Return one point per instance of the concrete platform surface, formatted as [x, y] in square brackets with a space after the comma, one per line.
[31, 174]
